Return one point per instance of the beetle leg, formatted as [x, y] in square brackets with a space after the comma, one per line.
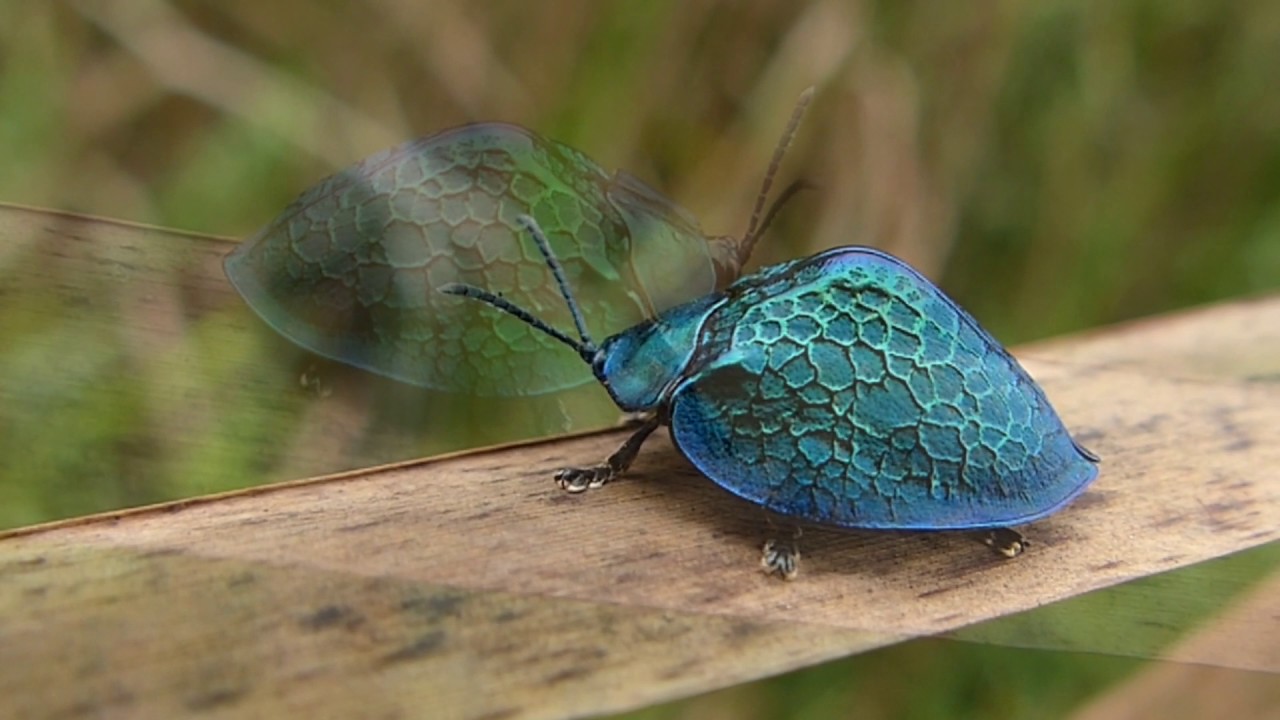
[1005, 541]
[575, 480]
[781, 558]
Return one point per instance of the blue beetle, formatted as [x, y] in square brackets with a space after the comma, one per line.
[842, 389]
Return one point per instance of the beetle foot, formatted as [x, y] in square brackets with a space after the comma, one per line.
[1006, 542]
[781, 559]
[576, 480]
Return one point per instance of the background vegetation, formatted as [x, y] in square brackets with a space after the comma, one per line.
[1056, 166]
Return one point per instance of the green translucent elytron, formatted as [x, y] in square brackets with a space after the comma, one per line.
[350, 269]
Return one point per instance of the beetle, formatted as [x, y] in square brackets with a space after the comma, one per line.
[842, 389]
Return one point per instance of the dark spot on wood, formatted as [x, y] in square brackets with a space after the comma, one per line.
[84, 708]
[655, 554]
[948, 619]
[1238, 439]
[422, 647]
[743, 630]
[1091, 498]
[1261, 535]
[934, 593]
[241, 579]
[308, 674]
[36, 592]
[1087, 436]
[568, 674]
[587, 654]
[679, 670]
[266, 520]
[1227, 514]
[499, 714]
[1168, 522]
[1264, 378]
[436, 606]
[508, 615]
[88, 667]
[1226, 506]
[1108, 565]
[158, 580]
[361, 526]
[508, 648]
[214, 699]
[36, 561]
[330, 616]
[1152, 424]
[1240, 444]
[1170, 559]
[161, 552]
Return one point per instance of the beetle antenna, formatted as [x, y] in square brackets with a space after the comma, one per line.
[792, 190]
[558, 271]
[517, 312]
[756, 228]
[586, 348]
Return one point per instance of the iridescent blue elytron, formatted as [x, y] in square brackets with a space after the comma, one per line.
[842, 389]
[847, 389]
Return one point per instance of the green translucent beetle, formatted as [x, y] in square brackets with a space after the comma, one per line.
[350, 269]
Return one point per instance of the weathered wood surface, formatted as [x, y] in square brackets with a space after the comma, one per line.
[468, 586]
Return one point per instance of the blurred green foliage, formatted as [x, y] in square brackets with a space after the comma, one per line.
[1055, 165]
[919, 680]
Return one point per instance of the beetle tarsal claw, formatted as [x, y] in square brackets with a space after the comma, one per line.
[576, 480]
[1005, 542]
[780, 559]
